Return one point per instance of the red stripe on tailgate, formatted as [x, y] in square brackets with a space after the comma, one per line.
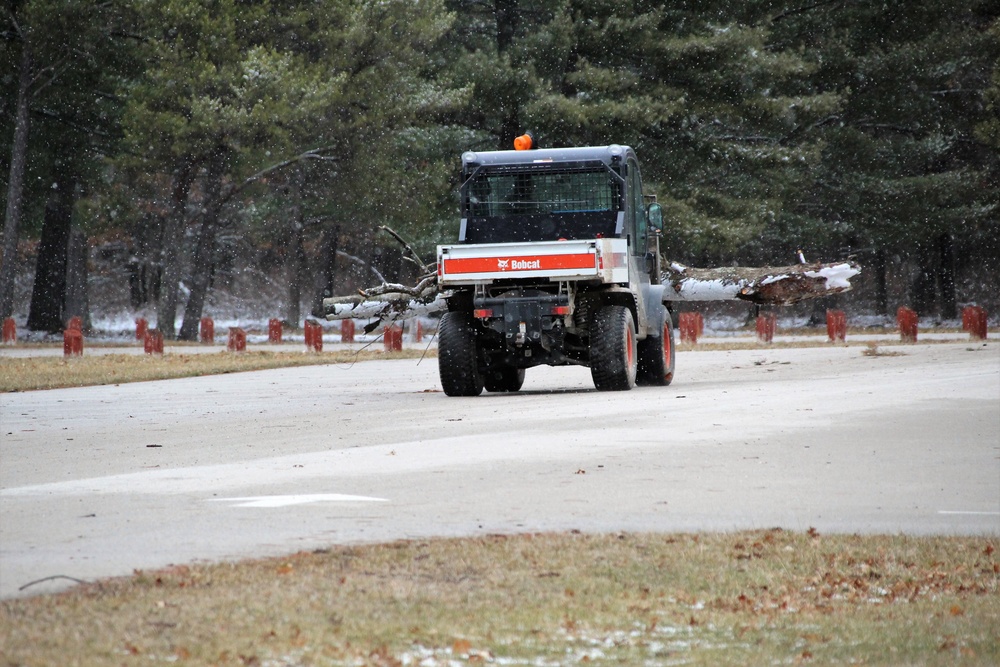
[512, 264]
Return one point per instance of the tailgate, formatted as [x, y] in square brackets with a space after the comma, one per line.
[592, 259]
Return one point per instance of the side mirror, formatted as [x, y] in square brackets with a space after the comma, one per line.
[654, 215]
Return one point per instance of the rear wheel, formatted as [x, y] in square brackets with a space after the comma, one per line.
[613, 355]
[503, 378]
[457, 362]
[656, 357]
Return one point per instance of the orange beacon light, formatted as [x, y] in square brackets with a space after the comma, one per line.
[524, 142]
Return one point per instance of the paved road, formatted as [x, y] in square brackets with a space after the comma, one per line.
[100, 481]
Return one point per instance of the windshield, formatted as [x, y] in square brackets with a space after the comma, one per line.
[540, 204]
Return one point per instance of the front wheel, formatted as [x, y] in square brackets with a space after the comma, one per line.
[458, 365]
[612, 349]
[656, 357]
[503, 378]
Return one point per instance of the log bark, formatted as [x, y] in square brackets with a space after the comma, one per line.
[768, 285]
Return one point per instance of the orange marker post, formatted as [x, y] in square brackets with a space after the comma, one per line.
[392, 338]
[274, 331]
[314, 337]
[907, 319]
[766, 325]
[688, 323]
[974, 321]
[72, 343]
[153, 341]
[141, 327]
[206, 330]
[237, 340]
[836, 326]
[9, 331]
[347, 331]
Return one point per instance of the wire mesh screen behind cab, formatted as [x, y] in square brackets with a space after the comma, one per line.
[541, 205]
[541, 192]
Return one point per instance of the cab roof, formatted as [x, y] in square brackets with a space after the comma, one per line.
[611, 155]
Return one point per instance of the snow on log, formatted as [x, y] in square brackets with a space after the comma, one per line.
[768, 285]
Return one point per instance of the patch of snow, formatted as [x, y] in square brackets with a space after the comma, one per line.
[707, 290]
[837, 276]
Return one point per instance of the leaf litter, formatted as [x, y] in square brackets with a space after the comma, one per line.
[756, 597]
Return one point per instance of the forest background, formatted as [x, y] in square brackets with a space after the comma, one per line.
[195, 144]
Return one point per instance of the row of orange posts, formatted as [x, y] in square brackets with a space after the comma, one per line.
[152, 339]
[974, 321]
[691, 325]
[392, 335]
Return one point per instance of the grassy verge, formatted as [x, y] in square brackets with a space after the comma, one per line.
[29, 373]
[751, 598]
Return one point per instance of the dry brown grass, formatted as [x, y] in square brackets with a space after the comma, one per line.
[873, 350]
[751, 598]
[29, 373]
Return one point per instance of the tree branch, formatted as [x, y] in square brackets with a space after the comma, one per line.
[409, 253]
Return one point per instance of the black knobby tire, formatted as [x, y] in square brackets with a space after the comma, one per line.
[457, 360]
[656, 357]
[613, 354]
[503, 378]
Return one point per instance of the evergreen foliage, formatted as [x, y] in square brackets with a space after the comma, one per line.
[291, 129]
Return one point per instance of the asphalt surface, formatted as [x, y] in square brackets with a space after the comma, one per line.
[101, 481]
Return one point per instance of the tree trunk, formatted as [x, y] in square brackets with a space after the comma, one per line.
[327, 276]
[296, 271]
[15, 185]
[881, 289]
[922, 295]
[48, 294]
[296, 259]
[204, 254]
[77, 295]
[173, 238]
[946, 277]
[508, 21]
[144, 266]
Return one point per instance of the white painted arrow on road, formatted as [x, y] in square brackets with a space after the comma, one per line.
[300, 499]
